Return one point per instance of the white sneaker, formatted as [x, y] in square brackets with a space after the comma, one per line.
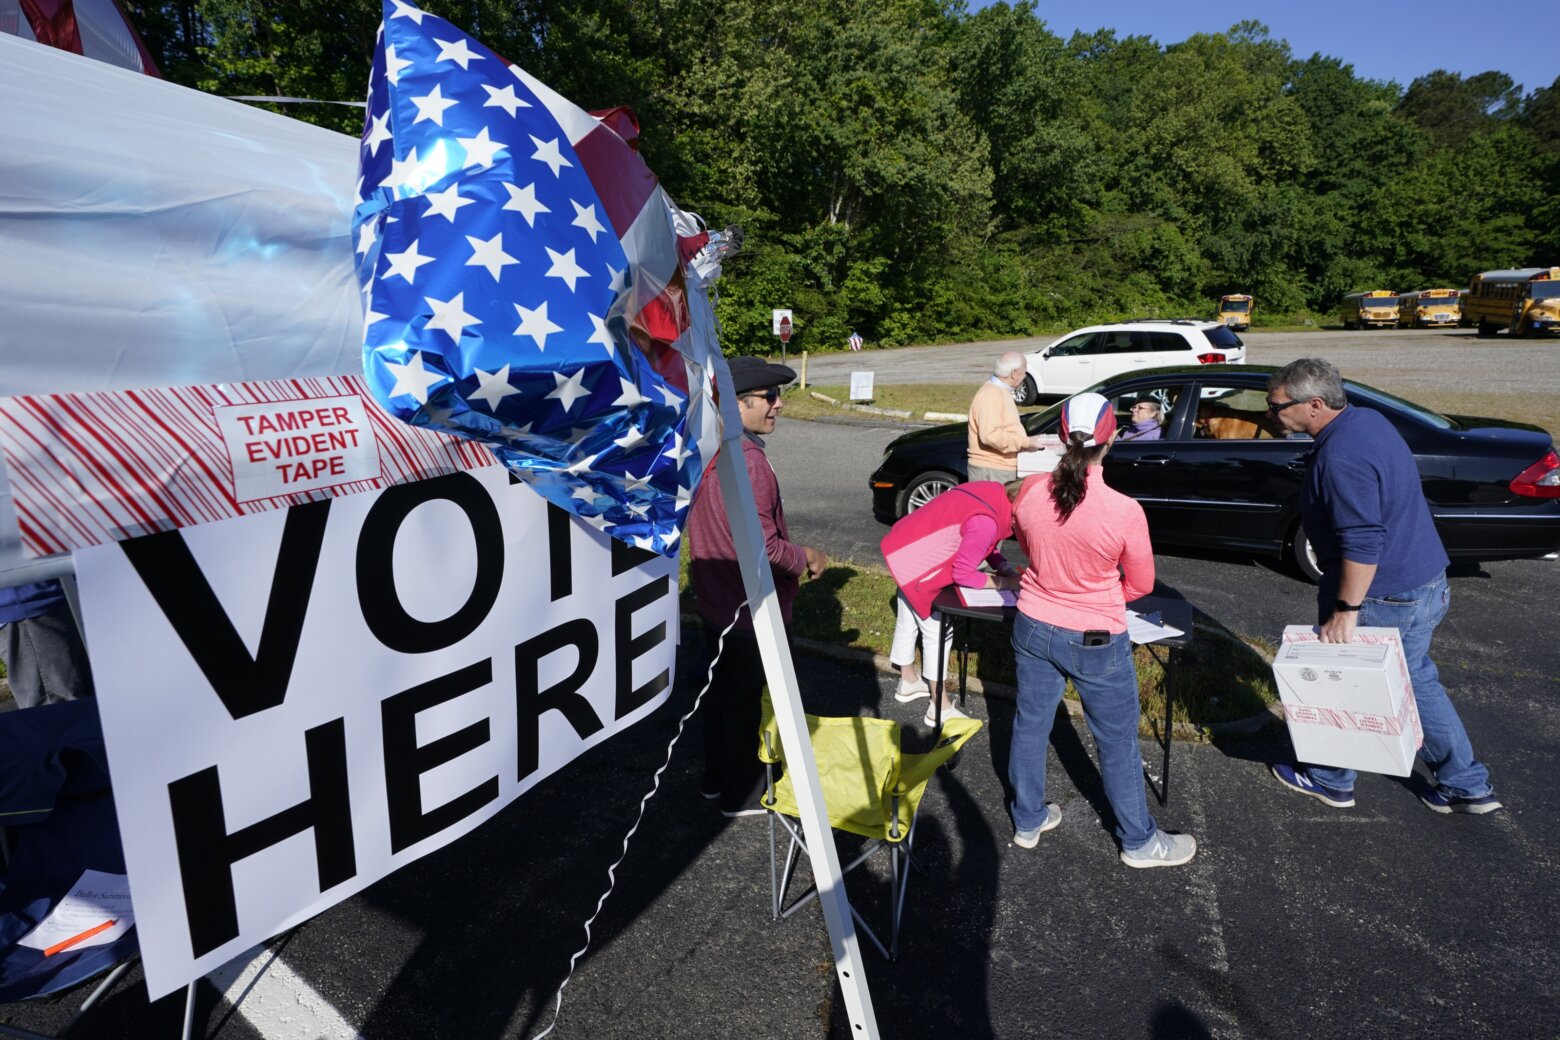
[905, 692]
[1029, 839]
[950, 712]
[1162, 850]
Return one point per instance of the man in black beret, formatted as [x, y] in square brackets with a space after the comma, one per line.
[732, 771]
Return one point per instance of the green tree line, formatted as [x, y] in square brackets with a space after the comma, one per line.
[919, 172]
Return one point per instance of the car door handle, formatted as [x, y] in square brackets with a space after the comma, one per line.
[1151, 460]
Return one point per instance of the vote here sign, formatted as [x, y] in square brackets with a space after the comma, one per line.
[299, 702]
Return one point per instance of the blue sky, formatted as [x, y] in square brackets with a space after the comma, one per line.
[1383, 39]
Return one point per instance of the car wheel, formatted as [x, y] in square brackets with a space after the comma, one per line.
[924, 488]
[1026, 393]
[1304, 556]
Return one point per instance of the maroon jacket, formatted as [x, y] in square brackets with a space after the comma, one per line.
[712, 556]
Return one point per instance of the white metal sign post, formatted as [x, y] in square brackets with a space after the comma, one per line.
[769, 629]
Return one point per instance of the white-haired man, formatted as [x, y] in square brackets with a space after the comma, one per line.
[996, 433]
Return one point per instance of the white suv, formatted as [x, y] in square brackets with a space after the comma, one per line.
[1080, 359]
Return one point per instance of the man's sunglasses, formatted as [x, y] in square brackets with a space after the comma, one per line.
[771, 395]
[1274, 407]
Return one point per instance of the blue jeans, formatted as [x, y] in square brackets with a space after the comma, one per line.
[1106, 680]
[1446, 750]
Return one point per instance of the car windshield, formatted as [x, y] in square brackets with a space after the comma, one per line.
[1543, 290]
[1237, 305]
[1379, 301]
[1370, 395]
[1221, 336]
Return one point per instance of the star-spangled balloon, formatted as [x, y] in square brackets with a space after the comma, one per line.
[527, 283]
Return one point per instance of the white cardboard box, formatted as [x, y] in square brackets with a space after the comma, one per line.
[1349, 705]
[1042, 461]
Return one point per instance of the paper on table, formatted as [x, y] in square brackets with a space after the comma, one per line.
[988, 597]
[1143, 630]
[96, 897]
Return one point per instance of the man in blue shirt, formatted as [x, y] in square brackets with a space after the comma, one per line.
[1382, 565]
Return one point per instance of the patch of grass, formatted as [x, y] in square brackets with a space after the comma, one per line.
[1221, 677]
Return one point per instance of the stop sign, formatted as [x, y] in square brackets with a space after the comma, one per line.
[785, 330]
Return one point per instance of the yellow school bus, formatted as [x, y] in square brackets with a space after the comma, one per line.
[1429, 309]
[1524, 302]
[1235, 312]
[1378, 307]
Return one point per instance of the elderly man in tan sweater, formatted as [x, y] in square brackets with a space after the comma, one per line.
[996, 434]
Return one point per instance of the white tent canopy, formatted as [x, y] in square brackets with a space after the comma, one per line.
[152, 235]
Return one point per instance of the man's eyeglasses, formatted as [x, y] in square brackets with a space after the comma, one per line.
[1274, 407]
[771, 395]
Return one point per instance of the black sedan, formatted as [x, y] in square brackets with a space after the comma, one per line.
[1219, 472]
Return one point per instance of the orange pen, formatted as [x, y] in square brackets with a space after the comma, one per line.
[73, 940]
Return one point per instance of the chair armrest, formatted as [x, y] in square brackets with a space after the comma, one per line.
[916, 770]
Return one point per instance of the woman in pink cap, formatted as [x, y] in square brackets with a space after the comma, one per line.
[1089, 555]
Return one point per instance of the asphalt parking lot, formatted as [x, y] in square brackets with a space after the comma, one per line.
[1295, 920]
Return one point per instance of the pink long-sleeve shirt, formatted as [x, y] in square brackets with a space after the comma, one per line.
[978, 532]
[1082, 573]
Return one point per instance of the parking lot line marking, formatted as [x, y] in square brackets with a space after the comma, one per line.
[276, 1000]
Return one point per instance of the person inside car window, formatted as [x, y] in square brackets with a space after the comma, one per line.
[1145, 425]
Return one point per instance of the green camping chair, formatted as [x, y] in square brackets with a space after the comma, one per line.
[870, 788]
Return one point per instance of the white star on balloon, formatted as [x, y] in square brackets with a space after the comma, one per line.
[536, 325]
[512, 432]
[676, 452]
[481, 150]
[584, 465]
[489, 254]
[432, 106]
[569, 388]
[401, 170]
[446, 203]
[368, 234]
[406, 10]
[524, 200]
[492, 387]
[378, 133]
[394, 65]
[584, 492]
[669, 395]
[671, 537]
[457, 51]
[585, 217]
[602, 335]
[370, 316]
[564, 267]
[412, 378]
[618, 283]
[504, 99]
[633, 438]
[598, 522]
[406, 263]
[632, 483]
[630, 395]
[450, 316]
[642, 542]
[547, 152]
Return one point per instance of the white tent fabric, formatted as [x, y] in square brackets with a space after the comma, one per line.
[152, 235]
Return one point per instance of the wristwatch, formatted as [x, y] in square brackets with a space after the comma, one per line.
[1346, 608]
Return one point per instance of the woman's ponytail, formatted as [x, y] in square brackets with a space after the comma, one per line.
[1069, 480]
